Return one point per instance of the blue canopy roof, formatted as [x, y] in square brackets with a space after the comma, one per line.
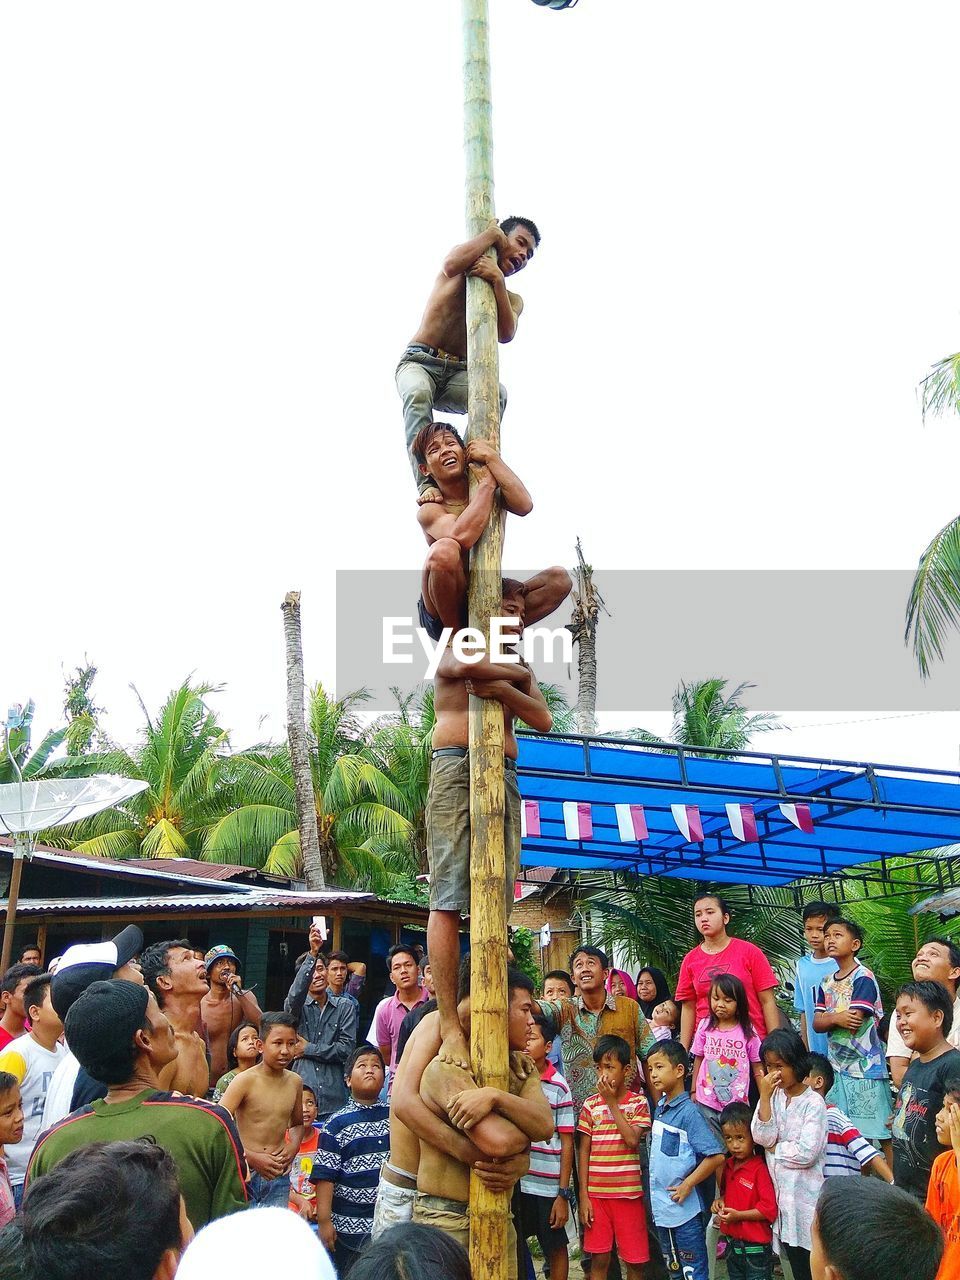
[861, 812]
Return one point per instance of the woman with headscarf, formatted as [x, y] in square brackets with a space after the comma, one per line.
[652, 989]
[619, 983]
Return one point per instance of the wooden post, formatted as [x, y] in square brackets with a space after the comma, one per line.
[13, 896]
[488, 917]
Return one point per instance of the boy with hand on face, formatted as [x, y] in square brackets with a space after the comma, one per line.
[353, 1144]
[11, 1131]
[943, 1189]
[266, 1103]
[924, 1015]
[612, 1124]
[432, 372]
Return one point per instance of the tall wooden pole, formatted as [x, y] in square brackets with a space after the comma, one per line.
[488, 915]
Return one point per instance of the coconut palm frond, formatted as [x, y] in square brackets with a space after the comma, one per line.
[940, 389]
[934, 606]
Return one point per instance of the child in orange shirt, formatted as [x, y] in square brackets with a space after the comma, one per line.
[943, 1189]
[303, 1193]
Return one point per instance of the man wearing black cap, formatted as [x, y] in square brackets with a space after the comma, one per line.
[80, 966]
[119, 1034]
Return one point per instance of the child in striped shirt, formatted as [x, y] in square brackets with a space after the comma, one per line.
[848, 1151]
[612, 1124]
[545, 1193]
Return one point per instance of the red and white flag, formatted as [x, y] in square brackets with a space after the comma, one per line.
[799, 815]
[631, 821]
[529, 818]
[687, 818]
[743, 821]
[577, 820]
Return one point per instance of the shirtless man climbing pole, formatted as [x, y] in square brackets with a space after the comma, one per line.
[179, 981]
[453, 525]
[432, 372]
[514, 685]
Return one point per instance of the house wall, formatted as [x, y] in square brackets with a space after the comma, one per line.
[535, 911]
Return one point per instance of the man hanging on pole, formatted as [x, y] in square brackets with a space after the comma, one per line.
[432, 373]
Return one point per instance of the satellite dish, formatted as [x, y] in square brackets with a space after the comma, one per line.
[28, 807]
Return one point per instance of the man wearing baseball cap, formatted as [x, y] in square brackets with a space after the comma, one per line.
[120, 1036]
[225, 1005]
[79, 966]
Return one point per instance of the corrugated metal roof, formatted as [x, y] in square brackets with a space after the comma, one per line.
[193, 867]
[266, 900]
[125, 869]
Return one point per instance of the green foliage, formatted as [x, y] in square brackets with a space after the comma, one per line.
[940, 389]
[933, 609]
[704, 717]
[526, 954]
[83, 715]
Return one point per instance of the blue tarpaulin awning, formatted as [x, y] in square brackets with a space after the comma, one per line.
[861, 813]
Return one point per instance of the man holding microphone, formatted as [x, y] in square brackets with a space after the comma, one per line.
[225, 1005]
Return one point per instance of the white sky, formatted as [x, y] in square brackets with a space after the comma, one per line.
[219, 226]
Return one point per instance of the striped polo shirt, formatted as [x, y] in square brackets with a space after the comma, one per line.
[543, 1178]
[353, 1144]
[848, 1151]
[614, 1169]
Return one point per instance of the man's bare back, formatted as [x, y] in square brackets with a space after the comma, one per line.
[189, 1072]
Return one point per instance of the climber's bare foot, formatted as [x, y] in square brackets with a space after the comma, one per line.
[454, 1049]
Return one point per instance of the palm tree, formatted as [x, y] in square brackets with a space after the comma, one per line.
[182, 756]
[704, 717]
[365, 822]
[934, 605]
[31, 766]
[587, 603]
[297, 745]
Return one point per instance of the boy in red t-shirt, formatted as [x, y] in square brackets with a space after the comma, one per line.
[303, 1194]
[746, 1207]
[612, 1124]
[943, 1189]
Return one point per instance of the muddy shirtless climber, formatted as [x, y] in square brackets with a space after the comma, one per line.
[458, 1126]
[432, 373]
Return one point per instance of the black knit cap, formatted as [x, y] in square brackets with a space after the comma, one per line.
[103, 1020]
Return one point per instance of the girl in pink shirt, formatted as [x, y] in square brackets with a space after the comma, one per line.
[726, 1050]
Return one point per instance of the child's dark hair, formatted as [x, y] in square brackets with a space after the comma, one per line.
[270, 1020]
[365, 1050]
[560, 974]
[308, 1088]
[721, 902]
[419, 450]
[232, 1062]
[736, 1114]
[818, 1065]
[412, 1251]
[851, 927]
[896, 1225]
[729, 985]
[508, 224]
[933, 995]
[546, 1026]
[814, 910]
[616, 1046]
[673, 1051]
[16, 974]
[787, 1045]
[950, 1090]
[8, 1081]
[35, 991]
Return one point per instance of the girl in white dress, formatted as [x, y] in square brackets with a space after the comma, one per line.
[791, 1123]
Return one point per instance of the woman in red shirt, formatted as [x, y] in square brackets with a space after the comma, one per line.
[719, 953]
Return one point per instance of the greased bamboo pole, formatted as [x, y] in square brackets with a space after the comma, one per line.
[488, 920]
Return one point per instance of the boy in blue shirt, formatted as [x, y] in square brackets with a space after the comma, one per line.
[353, 1144]
[811, 971]
[684, 1155]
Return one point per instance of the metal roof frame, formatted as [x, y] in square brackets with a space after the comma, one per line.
[864, 813]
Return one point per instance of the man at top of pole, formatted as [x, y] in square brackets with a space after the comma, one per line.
[432, 373]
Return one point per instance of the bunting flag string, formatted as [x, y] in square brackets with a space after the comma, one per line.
[743, 821]
[529, 818]
[631, 822]
[799, 815]
[577, 820]
[687, 818]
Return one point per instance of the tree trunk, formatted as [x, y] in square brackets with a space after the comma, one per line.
[587, 603]
[299, 749]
